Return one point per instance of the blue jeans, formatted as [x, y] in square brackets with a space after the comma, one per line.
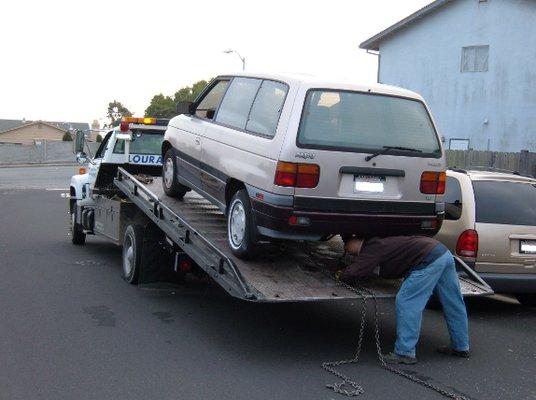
[440, 277]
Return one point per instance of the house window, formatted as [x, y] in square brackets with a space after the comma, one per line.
[475, 59]
[459, 144]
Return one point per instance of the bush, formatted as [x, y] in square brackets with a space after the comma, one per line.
[67, 137]
[99, 139]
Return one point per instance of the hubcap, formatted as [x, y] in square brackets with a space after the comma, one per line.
[128, 257]
[168, 172]
[237, 224]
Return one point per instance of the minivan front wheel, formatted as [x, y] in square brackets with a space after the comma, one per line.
[170, 182]
[241, 226]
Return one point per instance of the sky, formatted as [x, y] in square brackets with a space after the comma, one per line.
[65, 60]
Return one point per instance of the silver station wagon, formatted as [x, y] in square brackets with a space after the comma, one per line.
[299, 158]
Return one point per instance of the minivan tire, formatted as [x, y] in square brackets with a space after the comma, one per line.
[172, 186]
[527, 299]
[241, 228]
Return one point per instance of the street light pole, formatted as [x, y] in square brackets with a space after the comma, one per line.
[243, 59]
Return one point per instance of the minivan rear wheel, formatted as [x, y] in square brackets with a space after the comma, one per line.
[241, 226]
[170, 182]
[527, 299]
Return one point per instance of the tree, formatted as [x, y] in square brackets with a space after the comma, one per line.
[189, 93]
[67, 137]
[165, 106]
[116, 111]
[161, 107]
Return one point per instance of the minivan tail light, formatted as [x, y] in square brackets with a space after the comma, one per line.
[467, 245]
[298, 175]
[308, 175]
[433, 182]
[285, 174]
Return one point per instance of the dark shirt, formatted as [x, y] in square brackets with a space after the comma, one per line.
[395, 256]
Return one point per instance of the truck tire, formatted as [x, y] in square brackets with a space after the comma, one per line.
[172, 186]
[527, 299]
[78, 237]
[241, 228]
[132, 249]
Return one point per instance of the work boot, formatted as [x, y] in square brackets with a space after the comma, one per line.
[393, 358]
[456, 353]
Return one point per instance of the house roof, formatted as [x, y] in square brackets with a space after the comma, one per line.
[374, 42]
[9, 124]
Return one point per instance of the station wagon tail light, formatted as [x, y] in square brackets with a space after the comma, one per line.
[467, 245]
[433, 182]
[298, 175]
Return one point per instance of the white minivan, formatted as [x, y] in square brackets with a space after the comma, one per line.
[300, 158]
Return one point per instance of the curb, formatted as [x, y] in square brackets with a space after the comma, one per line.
[58, 164]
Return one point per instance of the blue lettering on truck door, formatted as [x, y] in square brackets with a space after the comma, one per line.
[143, 159]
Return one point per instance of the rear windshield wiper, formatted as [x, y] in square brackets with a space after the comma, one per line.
[387, 149]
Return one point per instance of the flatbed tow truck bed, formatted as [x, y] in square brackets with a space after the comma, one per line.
[292, 272]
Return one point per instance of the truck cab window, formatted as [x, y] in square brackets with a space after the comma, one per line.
[210, 102]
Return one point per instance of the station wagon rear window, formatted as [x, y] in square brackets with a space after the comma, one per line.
[364, 122]
[509, 203]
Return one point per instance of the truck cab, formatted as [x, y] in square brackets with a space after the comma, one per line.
[134, 145]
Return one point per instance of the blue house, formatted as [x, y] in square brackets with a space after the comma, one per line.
[474, 61]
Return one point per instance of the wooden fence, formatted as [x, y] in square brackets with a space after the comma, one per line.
[523, 162]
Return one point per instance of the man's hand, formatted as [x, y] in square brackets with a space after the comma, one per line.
[353, 246]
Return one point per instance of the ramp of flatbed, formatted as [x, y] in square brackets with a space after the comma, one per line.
[293, 271]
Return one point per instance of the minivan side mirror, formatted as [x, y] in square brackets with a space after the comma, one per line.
[79, 141]
[185, 107]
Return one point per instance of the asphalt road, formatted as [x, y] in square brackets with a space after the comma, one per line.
[71, 328]
[36, 177]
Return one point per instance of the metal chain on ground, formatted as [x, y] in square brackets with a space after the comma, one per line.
[339, 387]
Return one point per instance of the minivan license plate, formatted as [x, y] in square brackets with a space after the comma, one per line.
[528, 246]
[369, 184]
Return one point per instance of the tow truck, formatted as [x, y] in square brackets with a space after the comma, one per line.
[121, 198]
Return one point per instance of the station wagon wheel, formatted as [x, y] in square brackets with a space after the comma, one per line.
[170, 182]
[241, 226]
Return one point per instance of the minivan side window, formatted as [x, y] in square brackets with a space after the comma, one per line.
[208, 105]
[236, 104]
[453, 199]
[266, 109]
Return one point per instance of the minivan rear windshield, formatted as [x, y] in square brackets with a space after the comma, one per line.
[365, 122]
[508, 203]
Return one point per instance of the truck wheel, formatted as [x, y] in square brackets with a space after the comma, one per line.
[172, 186]
[241, 229]
[527, 299]
[132, 245]
[78, 236]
